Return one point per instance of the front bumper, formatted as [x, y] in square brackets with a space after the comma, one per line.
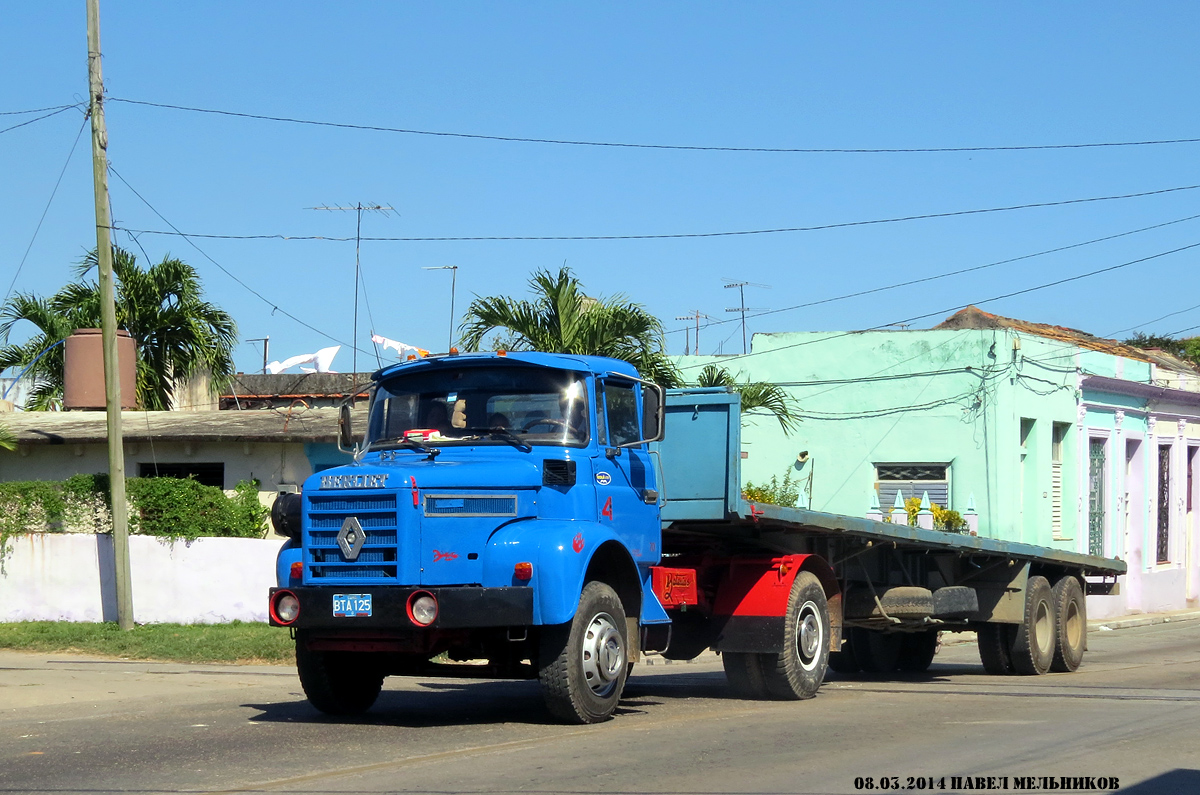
[460, 607]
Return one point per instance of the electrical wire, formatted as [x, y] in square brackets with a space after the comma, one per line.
[941, 312]
[673, 236]
[1155, 320]
[935, 277]
[274, 306]
[669, 147]
[39, 110]
[46, 209]
[63, 109]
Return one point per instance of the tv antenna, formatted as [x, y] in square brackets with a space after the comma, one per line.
[695, 314]
[742, 308]
[359, 208]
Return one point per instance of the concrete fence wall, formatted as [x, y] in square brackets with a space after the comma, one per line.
[70, 577]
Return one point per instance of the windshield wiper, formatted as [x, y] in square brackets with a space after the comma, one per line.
[408, 442]
[504, 434]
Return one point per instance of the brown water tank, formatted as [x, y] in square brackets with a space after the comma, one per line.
[83, 370]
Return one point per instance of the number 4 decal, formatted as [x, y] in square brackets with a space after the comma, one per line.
[607, 510]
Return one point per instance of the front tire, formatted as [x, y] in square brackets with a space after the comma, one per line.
[337, 683]
[584, 664]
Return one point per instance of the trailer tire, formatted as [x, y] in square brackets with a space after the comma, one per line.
[1033, 644]
[745, 675]
[1070, 623]
[876, 652]
[917, 650]
[798, 671]
[994, 642]
[583, 664]
[338, 683]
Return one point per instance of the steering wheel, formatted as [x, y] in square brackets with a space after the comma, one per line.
[543, 421]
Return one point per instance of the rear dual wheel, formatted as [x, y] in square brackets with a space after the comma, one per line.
[338, 682]
[1051, 636]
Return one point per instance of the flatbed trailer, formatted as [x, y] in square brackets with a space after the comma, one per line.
[570, 517]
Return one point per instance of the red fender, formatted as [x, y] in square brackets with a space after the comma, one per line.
[753, 596]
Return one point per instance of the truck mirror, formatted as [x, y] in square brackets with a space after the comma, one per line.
[345, 430]
[653, 408]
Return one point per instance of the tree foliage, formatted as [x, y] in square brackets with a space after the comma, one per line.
[1186, 349]
[562, 319]
[178, 334]
[757, 396]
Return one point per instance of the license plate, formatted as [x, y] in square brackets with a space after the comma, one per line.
[352, 605]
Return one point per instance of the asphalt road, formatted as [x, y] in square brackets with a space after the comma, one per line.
[82, 725]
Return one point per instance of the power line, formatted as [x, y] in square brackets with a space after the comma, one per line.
[274, 307]
[38, 110]
[1155, 320]
[45, 210]
[820, 227]
[935, 277]
[669, 147]
[39, 118]
[962, 306]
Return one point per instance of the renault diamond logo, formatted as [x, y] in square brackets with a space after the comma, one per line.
[351, 538]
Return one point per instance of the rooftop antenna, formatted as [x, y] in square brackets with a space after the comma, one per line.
[742, 308]
[694, 314]
[358, 208]
[266, 341]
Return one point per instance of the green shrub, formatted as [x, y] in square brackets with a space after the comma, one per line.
[170, 508]
[943, 518]
[785, 493]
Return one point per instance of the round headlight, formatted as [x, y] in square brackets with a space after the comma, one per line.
[285, 606]
[423, 609]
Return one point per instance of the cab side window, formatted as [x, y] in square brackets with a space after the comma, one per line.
[620, 404]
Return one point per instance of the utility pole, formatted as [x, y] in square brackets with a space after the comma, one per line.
[266, 341]
[742, 308]
[695, 314]
[359, 207]
[108, 321]
[453, 281]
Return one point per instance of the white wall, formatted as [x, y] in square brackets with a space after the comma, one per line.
[69, 577]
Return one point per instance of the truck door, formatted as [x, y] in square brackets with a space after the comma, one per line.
[626, 489]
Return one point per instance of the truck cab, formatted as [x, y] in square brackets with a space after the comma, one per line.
[498, 507]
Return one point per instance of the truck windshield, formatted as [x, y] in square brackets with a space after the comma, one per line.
[472, 405]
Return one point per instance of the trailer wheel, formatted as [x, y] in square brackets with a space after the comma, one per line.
[994, 641]
[583, 664]
[876, 652]
[798, 671]
[1033, 645]
[338, 683]
[1070, 621]
[745, 674]
[916, 651]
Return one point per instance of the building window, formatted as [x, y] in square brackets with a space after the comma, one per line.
[205, 474]
[1164, 504]
[1097, 465]
[912, 480]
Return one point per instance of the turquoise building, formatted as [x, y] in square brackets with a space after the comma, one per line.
[1036, 433]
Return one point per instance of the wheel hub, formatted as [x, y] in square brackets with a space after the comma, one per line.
[808, 635]
[603, 654]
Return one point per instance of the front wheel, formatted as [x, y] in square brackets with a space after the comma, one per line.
[584, 664]
[338, 682]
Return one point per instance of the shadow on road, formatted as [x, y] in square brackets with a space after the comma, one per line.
[1173, 782]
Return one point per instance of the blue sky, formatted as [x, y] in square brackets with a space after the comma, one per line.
[896, 75]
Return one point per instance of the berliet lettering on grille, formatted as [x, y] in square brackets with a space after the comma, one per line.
[353, 481]
[351, 538]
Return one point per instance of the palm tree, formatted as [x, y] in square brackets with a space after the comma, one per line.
[7, 440]
[756, 395]
[562, 319]
[178, 334]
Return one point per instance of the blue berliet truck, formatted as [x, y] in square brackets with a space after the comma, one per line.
[555, 517]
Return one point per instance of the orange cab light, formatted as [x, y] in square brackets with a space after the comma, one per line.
[502, 353]
[411, 357]
[523, 571]
[453, 351]
[297, 571]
